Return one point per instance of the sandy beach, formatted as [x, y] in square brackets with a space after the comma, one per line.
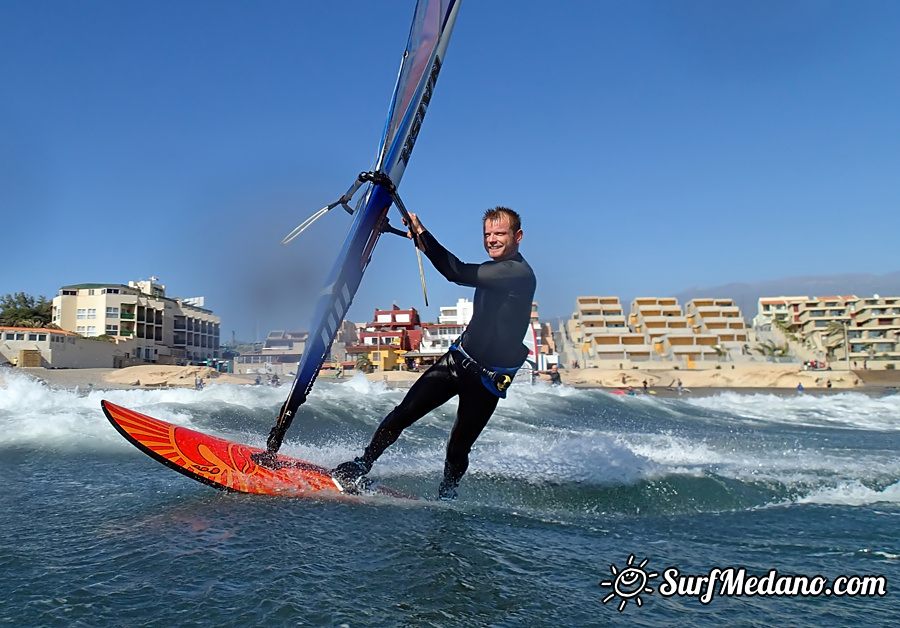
[148, 376]
[746, 378]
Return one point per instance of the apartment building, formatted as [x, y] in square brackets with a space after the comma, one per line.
[874, 331]
[814, 315]
[656, 329]
[165, 330]
[605, 332]
[388, 338]
[870, 326]
[459, 314]
[781, 309]
[720, 317]
[670, 332]
[436, 341]
[279, 354]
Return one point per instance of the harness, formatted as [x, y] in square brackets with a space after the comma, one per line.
[495, 378]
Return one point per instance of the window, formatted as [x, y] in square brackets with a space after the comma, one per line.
[69, 293]
[91, 292]
[92, 313]
[10, 336]
[81, 313]
[91, 330]
[112, 330]
[42, 337]
[110, 291]
[20, 336]
[32, 337]
[112, 312]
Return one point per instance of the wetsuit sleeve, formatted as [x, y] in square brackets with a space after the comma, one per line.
[486, 275]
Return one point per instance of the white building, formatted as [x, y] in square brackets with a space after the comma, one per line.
[52, 348]
[459, 314]
[165, 330]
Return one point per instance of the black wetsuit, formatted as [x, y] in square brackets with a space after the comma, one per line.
[504, 292]
[555, 379]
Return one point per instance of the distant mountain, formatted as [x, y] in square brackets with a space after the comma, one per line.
[746, 295]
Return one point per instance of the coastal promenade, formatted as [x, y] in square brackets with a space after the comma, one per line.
[743, 378]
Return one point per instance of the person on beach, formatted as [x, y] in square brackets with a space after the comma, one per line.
[481, 363]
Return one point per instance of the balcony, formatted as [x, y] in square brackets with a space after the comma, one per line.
[126, 316]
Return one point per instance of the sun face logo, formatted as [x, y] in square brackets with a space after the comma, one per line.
[629, 583]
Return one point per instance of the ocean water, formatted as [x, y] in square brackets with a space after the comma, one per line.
[568, 491]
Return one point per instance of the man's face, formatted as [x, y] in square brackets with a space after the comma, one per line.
[500, 241]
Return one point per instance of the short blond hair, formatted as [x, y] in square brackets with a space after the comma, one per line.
[496, 213]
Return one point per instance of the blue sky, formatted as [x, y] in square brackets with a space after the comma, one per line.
[649, 146]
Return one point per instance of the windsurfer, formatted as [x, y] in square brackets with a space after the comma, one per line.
[553, 375]
[480, 365]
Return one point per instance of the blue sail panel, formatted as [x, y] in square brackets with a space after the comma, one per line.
[421, 63]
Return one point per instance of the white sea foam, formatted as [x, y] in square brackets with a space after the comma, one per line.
[853, 493]
[361, 385]
[853, 410]
[33, 414]
[542, 434]
[557, 458]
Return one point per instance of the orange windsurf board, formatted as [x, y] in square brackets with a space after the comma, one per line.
[220, 463]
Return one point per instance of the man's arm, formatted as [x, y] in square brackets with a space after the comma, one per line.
[450, 266]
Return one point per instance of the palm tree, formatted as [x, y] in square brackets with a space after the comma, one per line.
[363, 363]
[785, 328]
[834, 337]
[769, 349]
[29, 322]
[765, 349]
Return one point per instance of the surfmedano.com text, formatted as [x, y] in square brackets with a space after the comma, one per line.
[731, 582]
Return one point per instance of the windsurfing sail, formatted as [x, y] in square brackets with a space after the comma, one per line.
[532, 362]
[419, 68]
